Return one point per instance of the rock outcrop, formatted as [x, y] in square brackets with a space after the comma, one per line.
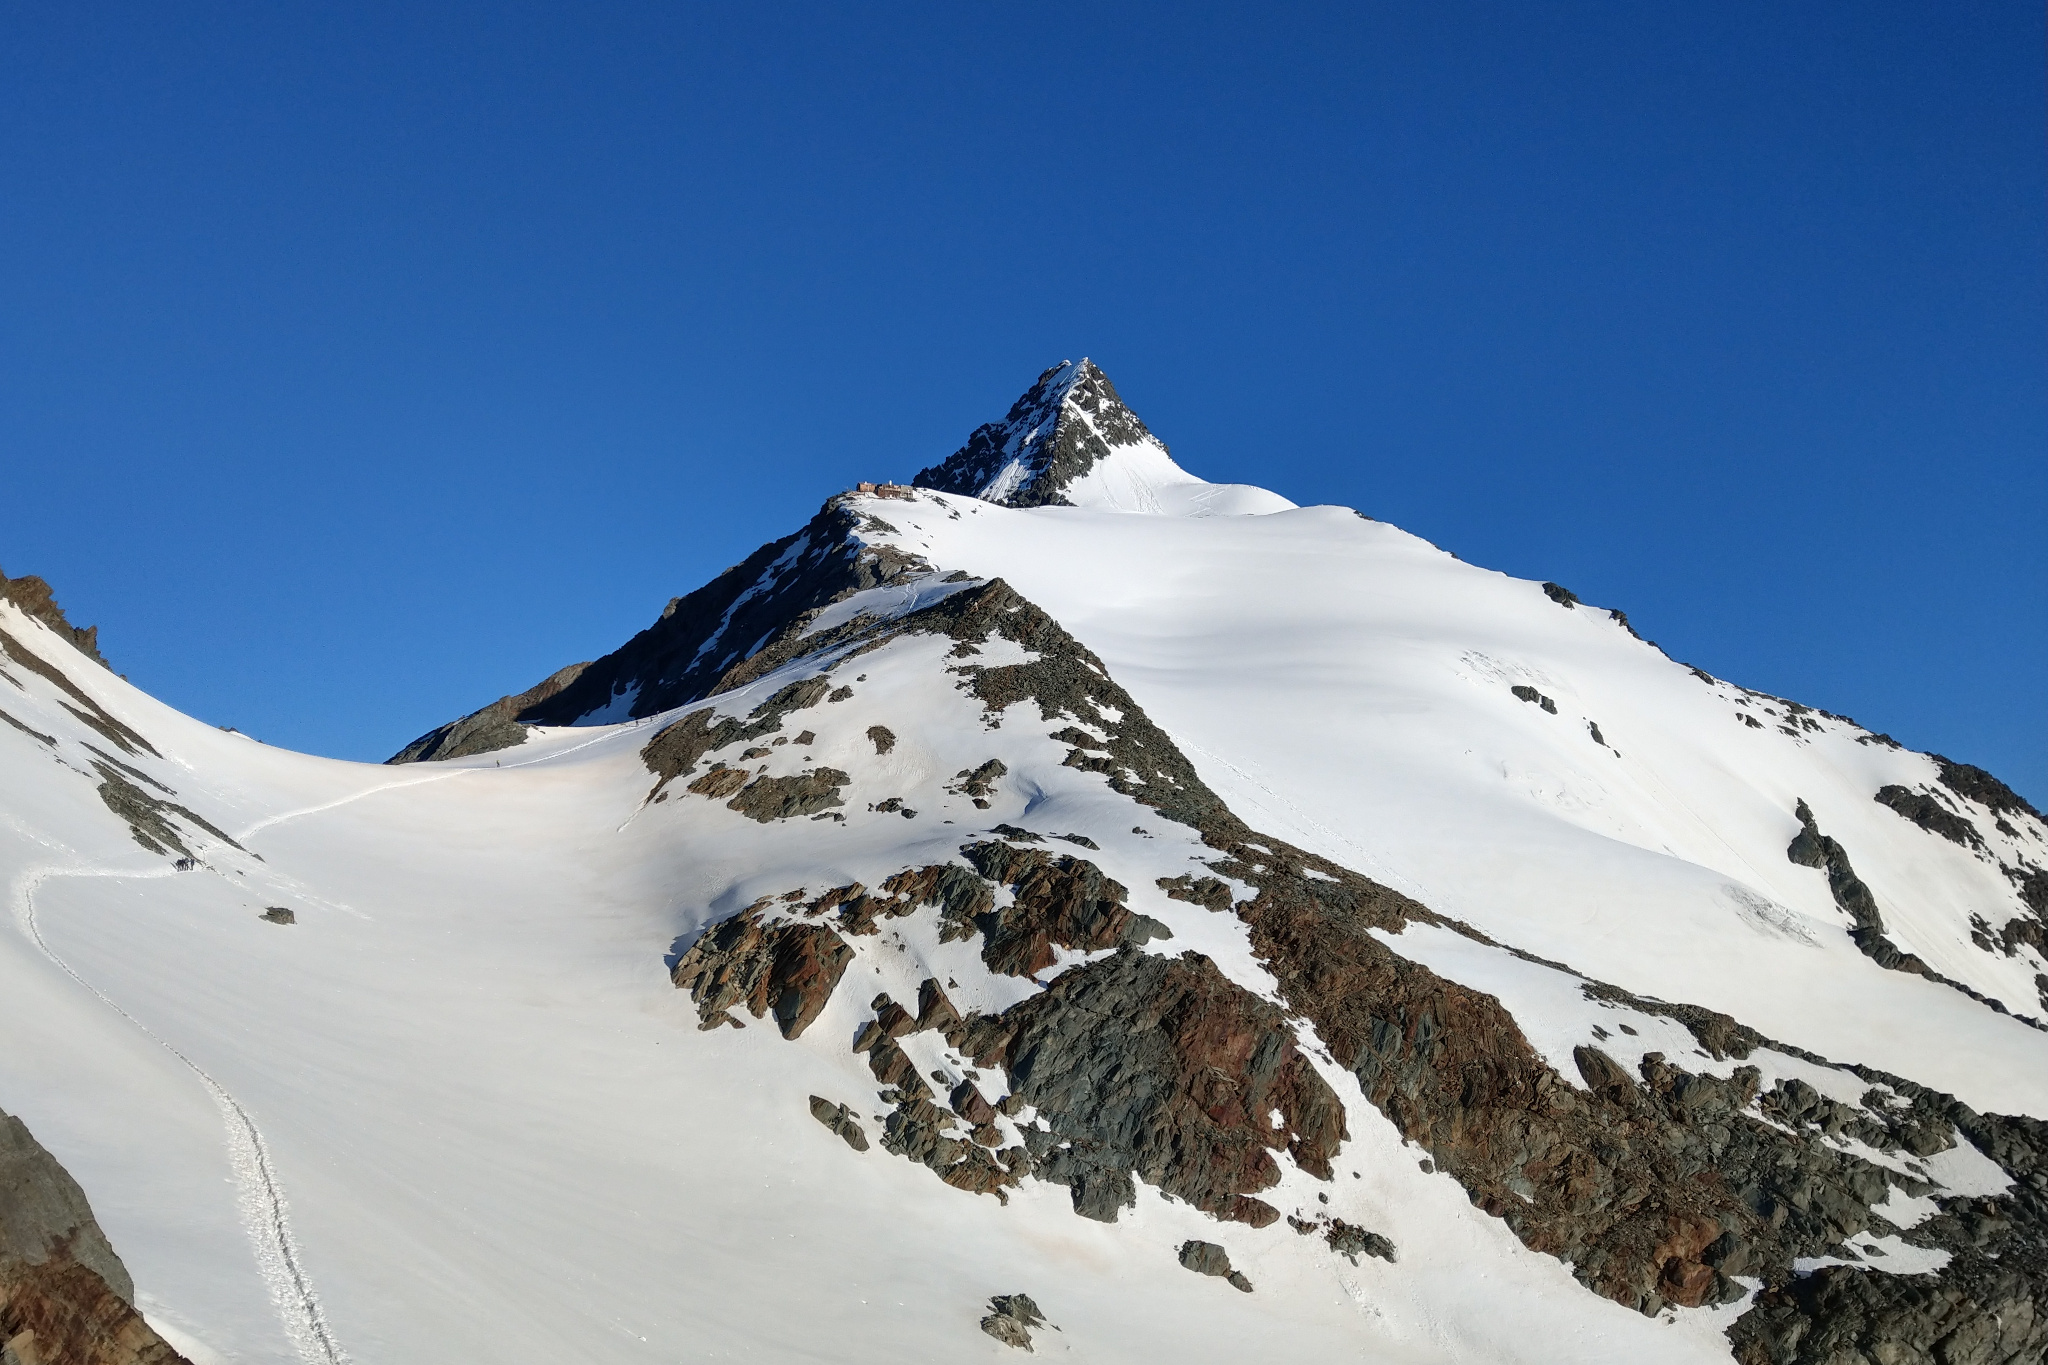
[36, 599]
[65, 1297]
[1052, 435]
[1011, 1318]
[756, 608]
[762, 965]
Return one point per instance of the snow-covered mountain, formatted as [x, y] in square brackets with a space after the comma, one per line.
[1059, 904]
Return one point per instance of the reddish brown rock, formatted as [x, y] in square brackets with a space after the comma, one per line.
[788, 968]
[720, 782]
[57, 1312]
[1166, 1070]
[1057, 900]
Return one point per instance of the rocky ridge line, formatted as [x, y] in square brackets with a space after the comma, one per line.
[1658, 1188]
[35, 598]
[703, 642]
[1052, 435]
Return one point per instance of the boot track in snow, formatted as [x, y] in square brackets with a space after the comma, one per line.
[260, 1194]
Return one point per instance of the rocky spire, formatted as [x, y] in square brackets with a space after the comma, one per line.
[1070, 419]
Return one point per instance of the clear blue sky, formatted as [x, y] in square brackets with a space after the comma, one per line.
[361, 363]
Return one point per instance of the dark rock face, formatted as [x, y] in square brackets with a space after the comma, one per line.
[1656, 1187]
[1928, 813]
[1348, 1239]
[681, 745]
[88, 711]
[47, 741]
[278, 914]
[43, 1211]
[1162, 1069]
[36, 599]
[65, 1297]
[788, 968]
[1053, 434]
[1981, 787]
[1841, 1314]
[1811, 848]
[1530, 694]
[978, 784]
[1059, 900]
[493, 728]
[147, 816]
[753, 614]
[1987, 1306]
[1207, 892]
[882, 737]
[1206, 1258]
[1566, 598]
[786, 798]
[840, 1119]
[58, 1312]
[1157, 1068]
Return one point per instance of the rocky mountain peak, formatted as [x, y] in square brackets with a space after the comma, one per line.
[35, 598]
[1056, 433]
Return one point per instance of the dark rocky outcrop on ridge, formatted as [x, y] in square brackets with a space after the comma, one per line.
[88, 712]
[35, 598]
[1052, 435]
[1811, 848]
[1930, 814]
[693, 650]
[493, 728]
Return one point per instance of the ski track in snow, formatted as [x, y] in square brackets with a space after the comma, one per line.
[304, 811]
[259, 1192]
[279, 819]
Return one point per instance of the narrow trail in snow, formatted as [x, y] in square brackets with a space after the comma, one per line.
[443, 776]
[265, 1211]
[259, 1191]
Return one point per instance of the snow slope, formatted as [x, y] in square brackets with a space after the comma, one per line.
[458, 1110]
[497, 1129]
[1346, 685]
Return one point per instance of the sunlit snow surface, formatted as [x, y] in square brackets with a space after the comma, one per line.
[499, 1133]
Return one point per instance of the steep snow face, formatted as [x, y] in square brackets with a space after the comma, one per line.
[1070, 441]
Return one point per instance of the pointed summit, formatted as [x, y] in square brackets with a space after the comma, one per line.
[1067, 423]
[1071, 442]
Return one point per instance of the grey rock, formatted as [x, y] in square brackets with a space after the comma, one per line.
[43, 1212]
[1056, 432]
[841, 1120]
[1011, 1318]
